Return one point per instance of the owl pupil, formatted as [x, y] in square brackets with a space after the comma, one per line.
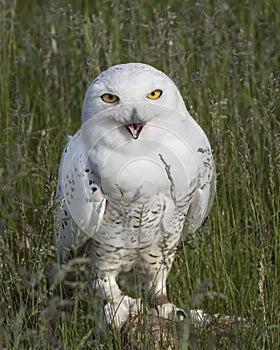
[153, 93]
[111, 97]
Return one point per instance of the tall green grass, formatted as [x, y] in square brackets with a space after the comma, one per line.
[225, 58]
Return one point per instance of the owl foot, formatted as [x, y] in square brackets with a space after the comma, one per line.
[170, 311]
[116, 312]
[200, 316]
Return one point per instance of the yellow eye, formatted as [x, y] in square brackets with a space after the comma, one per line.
[109, 98]
[154, 94]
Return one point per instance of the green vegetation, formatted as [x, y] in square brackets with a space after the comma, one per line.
[225, 58]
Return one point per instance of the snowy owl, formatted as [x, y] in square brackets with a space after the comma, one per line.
[134, 180]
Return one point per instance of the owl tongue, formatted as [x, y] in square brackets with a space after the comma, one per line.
[135, 129]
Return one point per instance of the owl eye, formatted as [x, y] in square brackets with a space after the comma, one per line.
[109, 98]
[155, 94]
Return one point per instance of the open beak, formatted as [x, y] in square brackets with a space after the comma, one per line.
[135, 129]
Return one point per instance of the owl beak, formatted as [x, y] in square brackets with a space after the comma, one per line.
[135, 129]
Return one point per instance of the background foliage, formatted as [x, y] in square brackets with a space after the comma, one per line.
[225, 58]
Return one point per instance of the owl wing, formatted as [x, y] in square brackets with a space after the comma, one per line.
[203, 197]
[80, 203]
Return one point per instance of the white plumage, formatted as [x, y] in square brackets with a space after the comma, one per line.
[134, 180]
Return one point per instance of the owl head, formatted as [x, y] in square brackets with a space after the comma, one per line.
[132, 94]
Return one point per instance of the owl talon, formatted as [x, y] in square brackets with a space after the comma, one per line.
[180, 314]
[170, 311]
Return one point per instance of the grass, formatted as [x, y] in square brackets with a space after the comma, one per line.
[224, 57]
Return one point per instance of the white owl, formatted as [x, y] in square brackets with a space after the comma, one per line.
[133, 181]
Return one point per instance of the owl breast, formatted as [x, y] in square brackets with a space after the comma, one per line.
[147, 186]
[142, 169]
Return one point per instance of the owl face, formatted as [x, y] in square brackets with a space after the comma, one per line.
[132, 94]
